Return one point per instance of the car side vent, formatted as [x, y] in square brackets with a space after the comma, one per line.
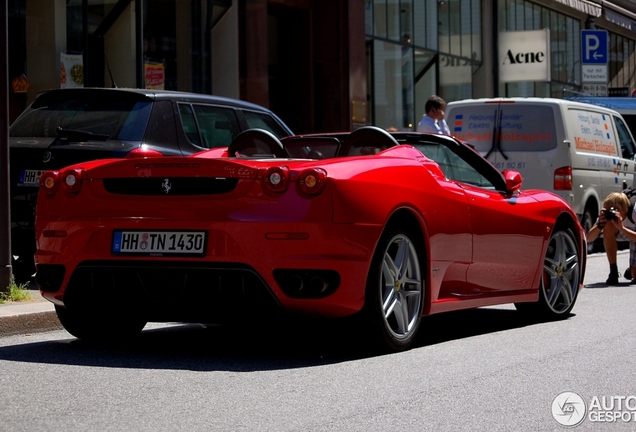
[170, 186]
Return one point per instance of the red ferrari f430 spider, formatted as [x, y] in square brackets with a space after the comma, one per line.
[385, 227]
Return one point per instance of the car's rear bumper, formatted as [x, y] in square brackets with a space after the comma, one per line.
[245, 266]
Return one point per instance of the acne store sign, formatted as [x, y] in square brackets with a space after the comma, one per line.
[524, 56]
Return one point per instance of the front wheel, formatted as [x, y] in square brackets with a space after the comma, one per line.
[395, 291]
[559, 284]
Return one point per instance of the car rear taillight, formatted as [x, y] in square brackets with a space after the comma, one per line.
[71, 180]
[276, 179]
[312, 181]
[49, 182]
[563, 178]
[142, 152]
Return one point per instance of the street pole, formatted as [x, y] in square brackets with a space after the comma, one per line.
[5, 214]
[495, 39]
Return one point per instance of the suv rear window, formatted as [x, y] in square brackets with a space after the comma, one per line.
[120, 117]
[520, 127]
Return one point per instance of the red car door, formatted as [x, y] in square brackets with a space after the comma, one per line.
[507, 251]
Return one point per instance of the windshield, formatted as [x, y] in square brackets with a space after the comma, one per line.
[120, 116]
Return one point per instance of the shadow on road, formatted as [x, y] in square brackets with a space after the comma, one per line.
[604, 285]
[211, 348]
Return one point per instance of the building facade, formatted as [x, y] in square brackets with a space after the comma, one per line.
[451, 48]
[321, 65]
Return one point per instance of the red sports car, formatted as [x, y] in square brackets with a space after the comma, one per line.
[384, 227]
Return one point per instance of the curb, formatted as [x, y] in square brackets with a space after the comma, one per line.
[29, 323]
[28, 317]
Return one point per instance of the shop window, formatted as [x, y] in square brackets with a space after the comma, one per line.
[519, 15]
[393, 20]
[160, 45]
[476, 30]
[444, 31]
[425, 21]
[429, 36]
[393, 85]
[379, 18]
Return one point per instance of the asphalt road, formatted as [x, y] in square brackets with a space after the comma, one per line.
[481, 370]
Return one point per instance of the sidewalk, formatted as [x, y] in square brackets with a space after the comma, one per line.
[28, 317]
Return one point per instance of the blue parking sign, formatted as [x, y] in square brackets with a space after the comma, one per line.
[594, 45]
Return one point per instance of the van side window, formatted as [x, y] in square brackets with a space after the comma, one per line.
[627, 144]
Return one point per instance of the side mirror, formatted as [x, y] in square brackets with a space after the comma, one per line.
[513, 180]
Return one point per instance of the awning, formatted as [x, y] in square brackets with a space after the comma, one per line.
[620, 20]
[619, 15]
[586, 6]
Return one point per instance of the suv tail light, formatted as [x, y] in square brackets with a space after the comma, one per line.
[563, 178]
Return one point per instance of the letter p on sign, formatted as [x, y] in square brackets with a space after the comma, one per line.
[594, 46]
[591, 45]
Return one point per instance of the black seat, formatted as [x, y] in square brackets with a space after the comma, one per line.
[256, 143]
[311, 147]
[366, 140]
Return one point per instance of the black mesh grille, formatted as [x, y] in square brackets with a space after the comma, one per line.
[173, 291]
[170, 186]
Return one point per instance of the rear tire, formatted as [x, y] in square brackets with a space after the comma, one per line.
[98, 327]
[559, 285]
[395, 291]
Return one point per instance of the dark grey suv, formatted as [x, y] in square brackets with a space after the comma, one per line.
[67, 126]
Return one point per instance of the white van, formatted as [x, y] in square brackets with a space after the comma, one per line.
[625, 106]
[579, 151]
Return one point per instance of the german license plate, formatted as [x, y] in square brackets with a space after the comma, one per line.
[159, 243]
[30, 178]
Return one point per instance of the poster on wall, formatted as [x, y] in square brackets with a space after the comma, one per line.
[524, 56]
[155, 76]
[71, 70]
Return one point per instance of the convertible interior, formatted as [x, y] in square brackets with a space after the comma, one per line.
[457, 161]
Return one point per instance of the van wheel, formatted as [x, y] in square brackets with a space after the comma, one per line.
[587, 222]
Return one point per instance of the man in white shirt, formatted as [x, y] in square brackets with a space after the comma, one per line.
[433, 121]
